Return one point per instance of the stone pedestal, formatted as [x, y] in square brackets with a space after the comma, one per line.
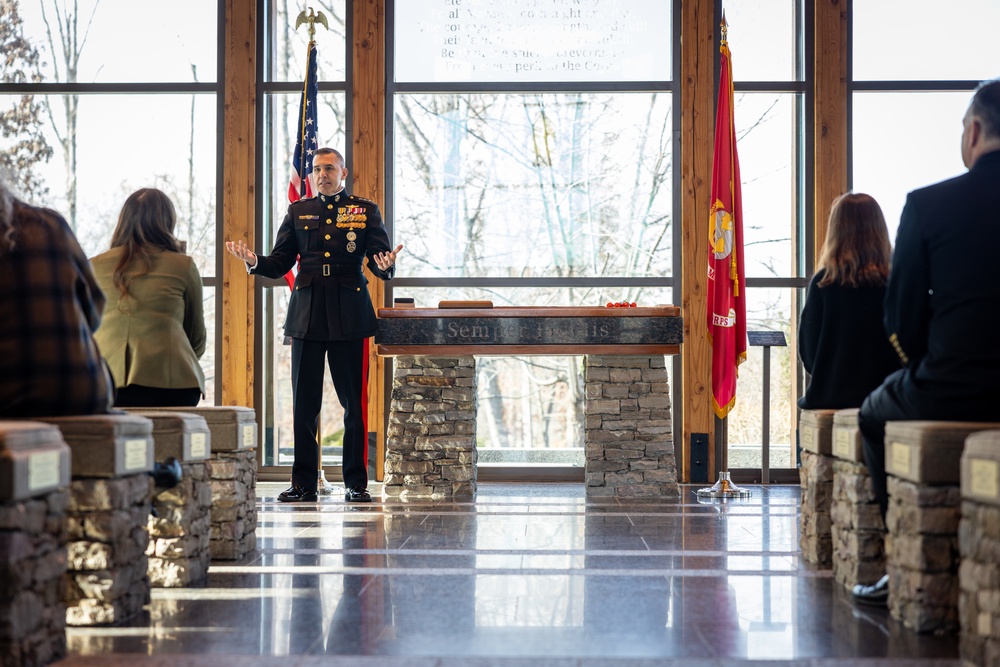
[232, 474]
[858, 532]
[34, 476]
[628, 434]
[107, 511]
[431, 448]
[979, 546]
[816, 479]
[180, 523]
[923, 462]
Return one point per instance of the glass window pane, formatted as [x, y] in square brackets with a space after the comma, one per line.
[765, 130]
[888, 163]
[282, 120]
[762, 39]
[429, 297]
[532, 40]
[534, 185]
[924, 40]
[277, 381]
[287, 60]
[124, 41]
[208, 359]
[767, 310]
[113, 153]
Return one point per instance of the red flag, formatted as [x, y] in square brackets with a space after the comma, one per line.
[727, 322]
[299, 185]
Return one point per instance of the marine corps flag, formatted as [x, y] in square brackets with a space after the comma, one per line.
[727, 325]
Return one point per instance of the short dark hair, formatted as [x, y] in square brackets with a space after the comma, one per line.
[986, 107]
[331, 151]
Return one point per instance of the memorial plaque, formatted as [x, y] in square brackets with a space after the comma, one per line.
[136, 454]
[900, 458]
[199, 445]
[517, 330]
[843, 444]
[43, 470]
[984, 478]
[248, 440]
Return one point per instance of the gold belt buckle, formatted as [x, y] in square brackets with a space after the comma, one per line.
[326, 269]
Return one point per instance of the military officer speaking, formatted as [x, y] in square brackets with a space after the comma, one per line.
[329, 315]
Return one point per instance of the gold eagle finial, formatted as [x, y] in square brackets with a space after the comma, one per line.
[312, 19]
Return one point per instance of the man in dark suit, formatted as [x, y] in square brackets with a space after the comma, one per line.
[942, 304]
[329, 315]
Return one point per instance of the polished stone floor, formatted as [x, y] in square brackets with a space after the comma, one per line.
[528, 574]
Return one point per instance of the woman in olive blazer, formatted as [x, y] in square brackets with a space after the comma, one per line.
[154, 327]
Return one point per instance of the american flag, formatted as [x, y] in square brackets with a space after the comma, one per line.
[299, 185]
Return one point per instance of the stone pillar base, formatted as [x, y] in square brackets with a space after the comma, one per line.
[857, 529]
[233, 479]
[431, 448]
[107, 582]
[922, 555]
[628, 433]
[180, 530]
[815, 535]
[32, 575]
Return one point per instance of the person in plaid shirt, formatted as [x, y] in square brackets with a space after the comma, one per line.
[50, 305]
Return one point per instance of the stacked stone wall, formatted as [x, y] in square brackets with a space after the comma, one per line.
[107, 581]
[431, 449]
[922, 555]
[815, 534]
[180, 529]
[628, 434]
[33, 580]
[857, 529]
[233, 480]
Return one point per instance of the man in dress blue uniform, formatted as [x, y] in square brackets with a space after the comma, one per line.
[329, 315]
[941, 302]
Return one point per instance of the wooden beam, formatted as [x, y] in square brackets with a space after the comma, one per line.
[240, 103]
[830, 76]
[368, 100]
[697, 82]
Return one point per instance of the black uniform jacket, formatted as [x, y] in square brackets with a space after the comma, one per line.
[843, 345]
[942, 307]
[332, 235]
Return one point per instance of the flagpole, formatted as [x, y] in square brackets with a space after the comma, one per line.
[726, 310]
[310, 18]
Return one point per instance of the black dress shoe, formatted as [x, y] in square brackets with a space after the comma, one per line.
[357, 496]
[168, 474]
[875, 595]
[296, 494]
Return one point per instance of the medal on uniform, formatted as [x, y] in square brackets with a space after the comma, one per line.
[351, 236]
[351, 246]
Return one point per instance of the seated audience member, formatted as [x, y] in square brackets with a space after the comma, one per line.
[941, 306]
[842, 340]
[50, 305]
[154, 328]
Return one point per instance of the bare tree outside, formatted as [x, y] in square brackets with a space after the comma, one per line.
[496, 185]
[22, 143]
[65, 44]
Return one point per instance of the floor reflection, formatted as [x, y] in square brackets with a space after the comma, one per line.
[533, 571]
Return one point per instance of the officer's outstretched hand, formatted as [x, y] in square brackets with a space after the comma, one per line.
[386, 260]
[240, 250]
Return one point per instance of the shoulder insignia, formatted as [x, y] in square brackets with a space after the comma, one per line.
[362, 200]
